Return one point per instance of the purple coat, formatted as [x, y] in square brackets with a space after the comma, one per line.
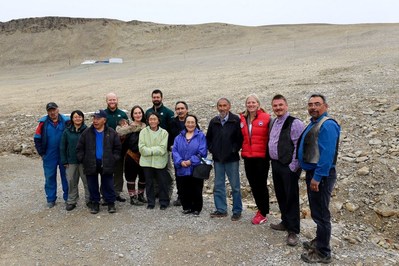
[184, 150]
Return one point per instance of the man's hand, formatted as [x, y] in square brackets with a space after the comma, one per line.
[314, 185]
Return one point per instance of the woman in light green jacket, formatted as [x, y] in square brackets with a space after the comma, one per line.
[153, 144]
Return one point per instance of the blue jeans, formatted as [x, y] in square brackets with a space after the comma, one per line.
[319, 206]
[50, 174]
[219, 190]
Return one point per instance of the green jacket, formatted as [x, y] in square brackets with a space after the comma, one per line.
[153, 148]
[113, 117]
[165, 113]
[69, 141]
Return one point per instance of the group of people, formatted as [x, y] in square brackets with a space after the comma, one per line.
[145, 148]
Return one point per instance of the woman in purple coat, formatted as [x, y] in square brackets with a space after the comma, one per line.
[187, 146]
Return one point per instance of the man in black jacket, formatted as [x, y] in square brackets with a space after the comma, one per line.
[175, 127]
[98, 149]
[224, 139]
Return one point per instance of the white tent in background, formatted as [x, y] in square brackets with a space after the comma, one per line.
[115, 60]
[106, 61]
[88, 62]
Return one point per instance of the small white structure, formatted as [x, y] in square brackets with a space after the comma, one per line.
[115, 60]
[88, 62]
[106, 61]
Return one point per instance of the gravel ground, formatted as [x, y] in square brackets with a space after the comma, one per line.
[32, 234]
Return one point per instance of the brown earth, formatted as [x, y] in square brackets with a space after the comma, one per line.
[356, 66]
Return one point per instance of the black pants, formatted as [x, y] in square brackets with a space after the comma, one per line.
[163, 178]
[257, 170]
[132, 170]
[287, 194]
[319, 203]
[191, 192]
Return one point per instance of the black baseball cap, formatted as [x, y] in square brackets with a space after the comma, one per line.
[51, 105]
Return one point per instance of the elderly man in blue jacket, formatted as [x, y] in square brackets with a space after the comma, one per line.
[47, 143]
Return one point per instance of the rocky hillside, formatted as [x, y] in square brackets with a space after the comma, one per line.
[356, 66]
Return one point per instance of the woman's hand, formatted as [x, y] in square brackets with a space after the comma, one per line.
[186, 163]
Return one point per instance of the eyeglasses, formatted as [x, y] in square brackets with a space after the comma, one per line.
[316, 104]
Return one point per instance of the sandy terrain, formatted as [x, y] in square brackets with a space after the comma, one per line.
[356, 66]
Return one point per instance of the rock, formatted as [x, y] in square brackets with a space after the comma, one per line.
[361, 159]
[375, 142]
[306, 214]
[385, 211]
[348, 159]
[17, 148]
[363, 171]
[368, 112]
[351, 207]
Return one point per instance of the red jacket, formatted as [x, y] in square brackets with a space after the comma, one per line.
[255, 144]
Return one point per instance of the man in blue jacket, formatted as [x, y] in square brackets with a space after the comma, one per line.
[317, 155]
[47, 143]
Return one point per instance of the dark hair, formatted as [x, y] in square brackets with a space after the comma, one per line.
[123, 120]
[157, 91]
[279, 97]
[319, 95]
[195, 118]
[153, 113]
[143, 119]
[183, 102]
[80, 113]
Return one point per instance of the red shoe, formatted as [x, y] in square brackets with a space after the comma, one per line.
[259, 218]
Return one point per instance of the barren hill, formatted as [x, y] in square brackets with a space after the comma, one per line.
[355, 66]
[58, 39]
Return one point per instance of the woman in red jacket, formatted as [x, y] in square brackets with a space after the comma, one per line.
[255, 130]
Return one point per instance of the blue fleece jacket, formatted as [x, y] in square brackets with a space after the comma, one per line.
[188, 150]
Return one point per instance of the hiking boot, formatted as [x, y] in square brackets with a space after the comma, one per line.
[310, 245]
[292, 239]
[150, 207]
[314, 256]
[196, 213]
[120, 199]
[50, 204]
[278, 227]
[177, 202]
[236, 216]
[135, 201]
[95, 207]
[259, 218]
[218, 214]
[70, 207]
[141, 198]
[163, 207]
[187, 211]
[111, 208]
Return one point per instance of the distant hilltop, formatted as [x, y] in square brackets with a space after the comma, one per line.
[70, 41]
[40, 24]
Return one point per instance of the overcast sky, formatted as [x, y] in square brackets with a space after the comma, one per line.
[241, 12]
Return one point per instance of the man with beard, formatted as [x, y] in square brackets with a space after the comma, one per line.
[47, 143]
[114, 115]
[99, 148]
[166, 116]
[284, 134]
[317, 155]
